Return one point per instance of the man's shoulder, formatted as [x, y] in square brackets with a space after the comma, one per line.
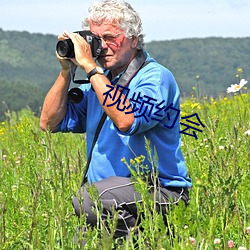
[155, 69]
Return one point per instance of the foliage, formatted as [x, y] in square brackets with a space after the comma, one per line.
[14, 95]
[210, 61]
[40, 172]
[28, 68]
[29, 59]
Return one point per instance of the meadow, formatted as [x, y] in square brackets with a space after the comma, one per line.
[40, 172]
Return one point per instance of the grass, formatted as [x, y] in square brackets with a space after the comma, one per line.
[40, 172]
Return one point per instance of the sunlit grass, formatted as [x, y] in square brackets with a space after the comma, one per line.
[40, 172]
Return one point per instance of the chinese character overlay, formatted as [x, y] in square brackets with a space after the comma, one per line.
[147, 107]
[190, 126]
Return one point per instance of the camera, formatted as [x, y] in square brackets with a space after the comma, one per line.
[65, 48]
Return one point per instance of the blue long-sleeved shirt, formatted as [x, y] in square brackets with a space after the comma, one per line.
[153, 87]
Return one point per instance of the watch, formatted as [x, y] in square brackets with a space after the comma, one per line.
[96, 70]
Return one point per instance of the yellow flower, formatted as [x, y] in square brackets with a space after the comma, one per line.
[240, 70]
[132, 162]
[138, 160]
[195, 105]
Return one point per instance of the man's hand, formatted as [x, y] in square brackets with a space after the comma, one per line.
[83, 54]
[66, 63]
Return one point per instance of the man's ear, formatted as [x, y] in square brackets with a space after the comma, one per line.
[134, 42]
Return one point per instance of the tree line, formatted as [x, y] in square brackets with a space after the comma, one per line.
[202, 67]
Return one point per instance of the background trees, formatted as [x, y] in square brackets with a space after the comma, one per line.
[202, 67]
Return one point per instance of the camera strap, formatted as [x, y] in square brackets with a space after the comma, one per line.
[136, 64]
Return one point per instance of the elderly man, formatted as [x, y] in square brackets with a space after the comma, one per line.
[140, 100]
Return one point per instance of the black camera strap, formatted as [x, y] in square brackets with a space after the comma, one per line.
[97, 132]
[136, 64]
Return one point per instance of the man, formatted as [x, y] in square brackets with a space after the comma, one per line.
[141, 100]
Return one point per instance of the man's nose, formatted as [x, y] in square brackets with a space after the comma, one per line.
[104, 44]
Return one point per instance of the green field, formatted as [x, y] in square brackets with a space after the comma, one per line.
[40, 172]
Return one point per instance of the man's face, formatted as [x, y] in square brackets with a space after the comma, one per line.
[118, 50]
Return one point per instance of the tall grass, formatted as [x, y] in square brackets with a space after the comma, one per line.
[40, 172]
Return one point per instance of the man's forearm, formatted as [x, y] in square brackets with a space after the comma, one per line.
[55, 103]
[122, 121]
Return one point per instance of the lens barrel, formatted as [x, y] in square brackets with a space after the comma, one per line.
[65, 48]
[75, 95]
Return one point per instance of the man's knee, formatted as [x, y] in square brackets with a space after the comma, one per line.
[84, 205]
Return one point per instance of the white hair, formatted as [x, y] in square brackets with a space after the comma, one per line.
[120, 13]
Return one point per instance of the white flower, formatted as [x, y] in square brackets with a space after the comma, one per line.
[237, 87]
[22, 210]
[221, 147]
[242, 248]
[217, 241]
[247, 132]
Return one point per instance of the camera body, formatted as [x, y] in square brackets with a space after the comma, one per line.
[65, 48]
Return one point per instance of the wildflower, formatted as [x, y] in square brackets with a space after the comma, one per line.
[195, 106]
[139, 159]
[237, 87]
[247, 133]
[14, 188]
[198, 182]
[221, 147]
[45, 216]
[132, 162]
[216, 241]
[22, 210]
[192, 240]
[240, 70]
[242, 248]
[248, 230]
[230, 244]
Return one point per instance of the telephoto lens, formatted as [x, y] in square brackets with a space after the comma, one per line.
[65, 48]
